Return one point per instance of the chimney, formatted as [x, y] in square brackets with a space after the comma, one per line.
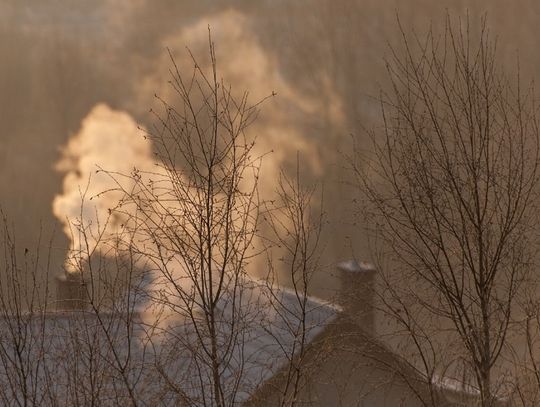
[71, 292]
[357, 293]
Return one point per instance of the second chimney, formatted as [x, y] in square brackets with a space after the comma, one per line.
[357, 293]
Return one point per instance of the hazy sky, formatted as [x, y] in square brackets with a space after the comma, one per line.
[324, 58]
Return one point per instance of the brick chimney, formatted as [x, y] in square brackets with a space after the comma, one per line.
[357, 293]
[71, 292]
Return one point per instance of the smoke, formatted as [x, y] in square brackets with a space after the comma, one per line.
[108, 146]
[116, 193]
[100, 164]
[292, 124]
[244, 64]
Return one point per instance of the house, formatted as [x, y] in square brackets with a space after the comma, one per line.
[346, 365]
[79, 356]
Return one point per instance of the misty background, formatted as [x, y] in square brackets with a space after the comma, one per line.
[324, 59]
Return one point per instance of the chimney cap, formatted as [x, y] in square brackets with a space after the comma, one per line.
[353, 266]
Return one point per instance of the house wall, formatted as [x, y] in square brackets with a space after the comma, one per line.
[343, 367]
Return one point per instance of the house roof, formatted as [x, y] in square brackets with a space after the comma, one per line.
[271, 333]
[65, 351]
[460, 391]
[158, 361]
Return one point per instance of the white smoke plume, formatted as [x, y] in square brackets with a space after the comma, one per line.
[109, 142]
[107, 164]
[99, 163]
[291, 124]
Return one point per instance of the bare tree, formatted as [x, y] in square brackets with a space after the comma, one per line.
[296, 229]
[23, 302]
[196, 219]
[451, 199]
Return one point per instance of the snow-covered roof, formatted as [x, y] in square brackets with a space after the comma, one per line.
[164, 365]
[464, 389]
[272, 319]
